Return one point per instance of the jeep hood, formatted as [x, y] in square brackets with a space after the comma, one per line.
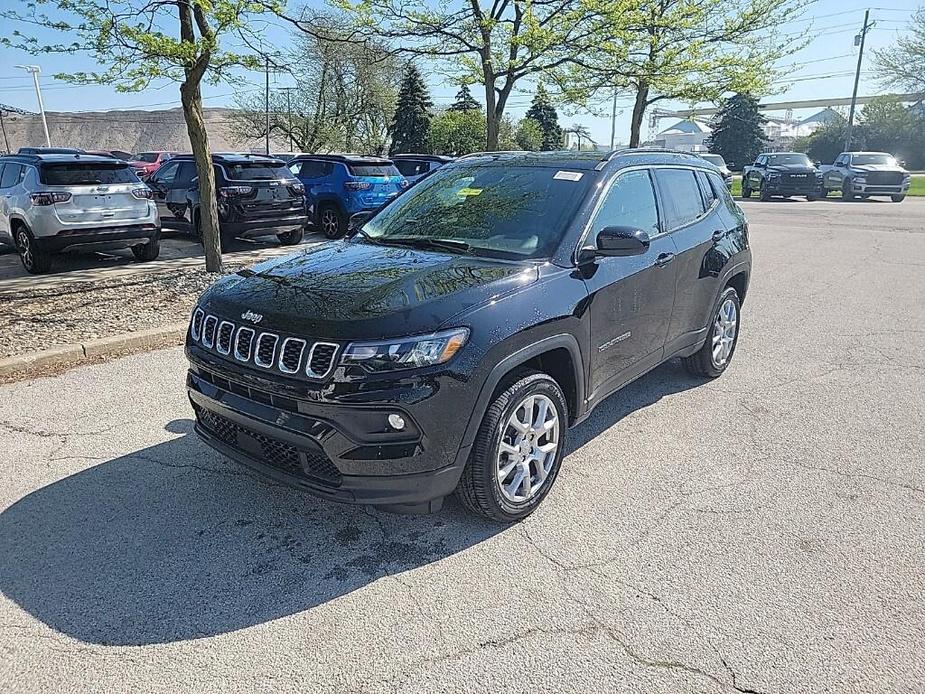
[345, 290]
[867, 168]
[792, 168]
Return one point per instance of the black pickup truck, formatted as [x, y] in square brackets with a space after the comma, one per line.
[862, 174]
[782, 174]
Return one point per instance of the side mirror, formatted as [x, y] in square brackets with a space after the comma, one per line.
[817, 164]
[621, 241]
[359, 219]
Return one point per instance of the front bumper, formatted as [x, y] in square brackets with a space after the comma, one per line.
[873, 189]
[786, 188]
[98, 238]
[343, 452]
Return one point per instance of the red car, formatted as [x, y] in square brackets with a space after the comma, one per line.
[146, 163]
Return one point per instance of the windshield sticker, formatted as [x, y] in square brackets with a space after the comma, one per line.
[568, 176]
[466, 192]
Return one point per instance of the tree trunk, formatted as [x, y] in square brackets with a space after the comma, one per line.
[491, 117]
[639, 112]
[191, 97]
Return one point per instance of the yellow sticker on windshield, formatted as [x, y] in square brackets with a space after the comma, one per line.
[466, 192]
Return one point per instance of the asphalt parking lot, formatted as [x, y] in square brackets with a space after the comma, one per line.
[764, 532]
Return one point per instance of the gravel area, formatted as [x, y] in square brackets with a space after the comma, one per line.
[80, 311]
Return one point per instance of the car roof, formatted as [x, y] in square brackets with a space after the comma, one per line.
[62, 158]
[589, 160]
[233, 158]
[424, 157]
[772, 154]
[344, 158]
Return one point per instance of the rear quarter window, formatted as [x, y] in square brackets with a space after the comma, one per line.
[87, 174]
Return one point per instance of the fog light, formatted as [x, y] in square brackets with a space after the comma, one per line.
[396, 421]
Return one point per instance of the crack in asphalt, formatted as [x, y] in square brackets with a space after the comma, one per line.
[226, 472]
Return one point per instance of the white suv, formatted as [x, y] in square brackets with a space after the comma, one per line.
[55, 203]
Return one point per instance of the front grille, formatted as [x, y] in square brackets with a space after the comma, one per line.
[797, 179]
[266, 348]
[288, 355]
[321, 359]
[884, 178]
[308, 464]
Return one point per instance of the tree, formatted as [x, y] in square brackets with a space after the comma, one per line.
[681, 50]
[828, 141]
[579, 131]
[737, 131]
[529, 135]
[130, 39]
[411, 122]
[496, 43]
[544, 114]
[464, 101]
[342, 99]
[901, 65]
[457, 132]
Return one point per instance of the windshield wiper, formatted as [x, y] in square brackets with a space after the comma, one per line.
[425, 242]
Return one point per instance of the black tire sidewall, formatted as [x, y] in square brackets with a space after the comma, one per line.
[490, 436]
[41, 261]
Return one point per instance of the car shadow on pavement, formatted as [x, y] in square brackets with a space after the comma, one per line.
[174, 542]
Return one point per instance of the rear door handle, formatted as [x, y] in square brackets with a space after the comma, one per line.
[663, 259]
[718, 234]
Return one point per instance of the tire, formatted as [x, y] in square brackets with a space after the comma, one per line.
[291, 238]
[704, 362]
[746, 191]
[846, 192]
[811, 197]
[897, 198]
[331, 221]
[480, 489]
[148, 251]
[197, 227]
[763, 193]
[35, 260]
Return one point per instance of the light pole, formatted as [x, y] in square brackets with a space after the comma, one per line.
[34, 70]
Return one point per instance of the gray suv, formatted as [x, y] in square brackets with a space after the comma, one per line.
[55, 203]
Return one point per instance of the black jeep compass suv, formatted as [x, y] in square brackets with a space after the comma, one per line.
[451, 340]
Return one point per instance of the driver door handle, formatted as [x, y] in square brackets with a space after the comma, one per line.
[718, 234]
[663, 259]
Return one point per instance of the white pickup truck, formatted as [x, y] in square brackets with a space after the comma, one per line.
[863, 174]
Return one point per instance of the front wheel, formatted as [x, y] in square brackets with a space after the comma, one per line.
[291, 238]
[518, 450]
[897, 198]
[746, 191]
[716, 353]
[764, 194]
[846, 192]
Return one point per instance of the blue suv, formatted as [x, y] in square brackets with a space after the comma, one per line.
[340, 185]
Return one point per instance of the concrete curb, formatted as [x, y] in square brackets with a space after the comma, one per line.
[74, 354]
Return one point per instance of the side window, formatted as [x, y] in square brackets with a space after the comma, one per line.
[12, 174]
[308, 169]
[709, 196]
[186, 172]
[630, 202]
[680, 194]
[166, 174]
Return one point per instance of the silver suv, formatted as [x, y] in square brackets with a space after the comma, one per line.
[54, 203]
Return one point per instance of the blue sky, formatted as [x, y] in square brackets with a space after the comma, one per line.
[824, 68]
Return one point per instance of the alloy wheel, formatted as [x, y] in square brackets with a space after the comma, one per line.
[528, 447]
[25, 249]
[330, 225]
[724, 332]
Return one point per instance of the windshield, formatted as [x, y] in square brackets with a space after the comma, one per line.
[789, 159]
[147, 157]
[374, 170]
[865, 159]
[75, 174]
[501, 211]
[257, 171]
[714, 159]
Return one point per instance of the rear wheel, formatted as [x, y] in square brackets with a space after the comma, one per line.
[846, 192]
[291, 238]
[716, 353]
[331, 221]
[518, 450]
[897, 198]
[148, 251]
[34, 259]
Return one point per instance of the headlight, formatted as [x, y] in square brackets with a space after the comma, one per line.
[406, 352]
[773, 174]
[860, 179]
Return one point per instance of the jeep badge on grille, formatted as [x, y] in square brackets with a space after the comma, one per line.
[251, 316]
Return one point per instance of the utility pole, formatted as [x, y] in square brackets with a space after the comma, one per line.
[858, 40]
[6, 142]
[34, 70]
[266, 103]
[288, 91]
[613, 121]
